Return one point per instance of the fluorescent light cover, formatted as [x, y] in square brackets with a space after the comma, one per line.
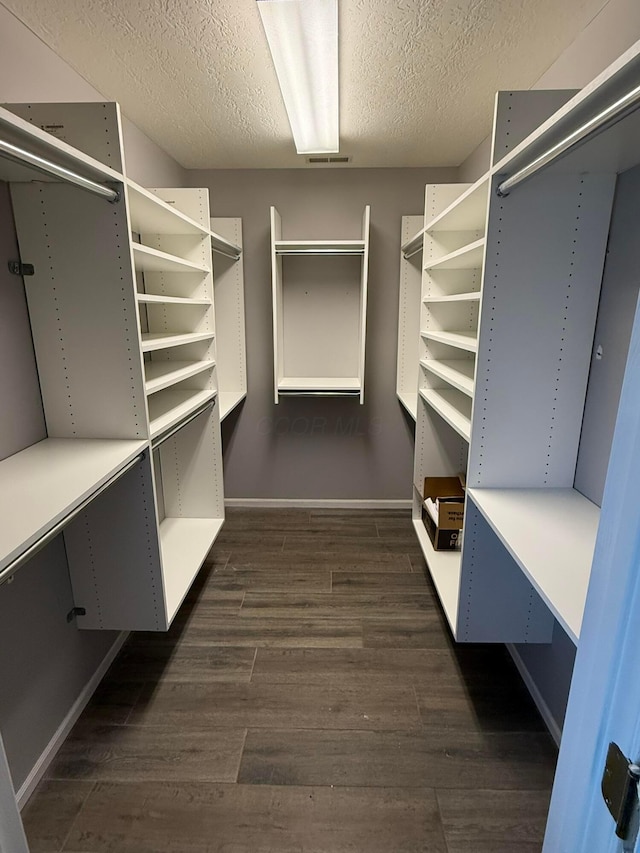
[303, 39]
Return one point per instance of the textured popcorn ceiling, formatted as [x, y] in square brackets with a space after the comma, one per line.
[417, 76]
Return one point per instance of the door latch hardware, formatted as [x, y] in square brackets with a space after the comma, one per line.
[76, 611]
[18, 268]
[620, 788]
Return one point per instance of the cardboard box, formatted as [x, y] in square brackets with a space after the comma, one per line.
[449, 492]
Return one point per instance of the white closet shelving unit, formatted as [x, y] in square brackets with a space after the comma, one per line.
[438, 197]
[553, 230]
[122, 314]
[452, 262]
[451, 278]
[409, 313]
[171, 254]
[319, 313]
[475, 328]
[228, 288]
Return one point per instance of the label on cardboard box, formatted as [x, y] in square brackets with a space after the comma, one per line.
[444, 529]
[442, 539]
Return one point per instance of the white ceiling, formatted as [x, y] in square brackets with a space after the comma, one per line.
[417, 76]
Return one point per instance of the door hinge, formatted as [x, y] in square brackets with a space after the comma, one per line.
[18, 268]
[620, 788]
[76, 611]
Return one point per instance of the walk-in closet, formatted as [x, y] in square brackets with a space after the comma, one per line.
[319, 427]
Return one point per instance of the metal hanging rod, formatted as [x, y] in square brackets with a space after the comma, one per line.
[280, 251]
[288, 392]
[167, 435]
[221, 247]
[47, 167]
[32, 550]
[411, 251]
[234, 256]
[413, 245]
[611, 115]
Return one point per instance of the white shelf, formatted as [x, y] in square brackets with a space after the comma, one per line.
[467, 341]
[469, 257]
[150, 215]
[163, 374]
[146, 259]
[154, 299]
[166, 340]
[41, 485]
[551, 535]
[445, 569]
[453, 406]
[319, 383]
[466, 213]
[167, 408]
[184, 543]
[457, 372]
[410, 402]
[455, 297]
[228, 400]
[319, 247]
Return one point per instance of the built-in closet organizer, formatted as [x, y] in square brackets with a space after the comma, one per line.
[121, 309]
[228, 298]
[319, 290]
[409, 314]
[526, 435]
[492, 298]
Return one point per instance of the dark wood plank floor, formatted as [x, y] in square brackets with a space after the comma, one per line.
[307, 699]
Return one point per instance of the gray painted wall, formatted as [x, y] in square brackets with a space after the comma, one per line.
[324, 448]
[45, 662]
[618, 297]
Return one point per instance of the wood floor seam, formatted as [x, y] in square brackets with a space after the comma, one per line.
[73, 823]
[253, 665]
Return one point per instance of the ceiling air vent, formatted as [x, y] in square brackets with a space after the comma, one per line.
[326, 160]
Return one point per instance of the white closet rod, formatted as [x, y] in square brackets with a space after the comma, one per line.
[319, 251]
[289, 392]
[228, 250]
[47, 167]
[611, 115]
[40, 543]
[166, 435]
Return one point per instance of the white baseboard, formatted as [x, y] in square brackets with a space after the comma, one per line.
[41, 765]
[532, 687]
[314, 503]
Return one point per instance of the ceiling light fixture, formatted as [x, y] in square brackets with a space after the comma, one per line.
[303, 40]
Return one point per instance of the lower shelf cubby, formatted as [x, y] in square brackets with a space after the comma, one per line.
[190, 503]
[137, 548]
[551, 535]
[485, 596]
[444, 568]
[184, 544]
[497, 603]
